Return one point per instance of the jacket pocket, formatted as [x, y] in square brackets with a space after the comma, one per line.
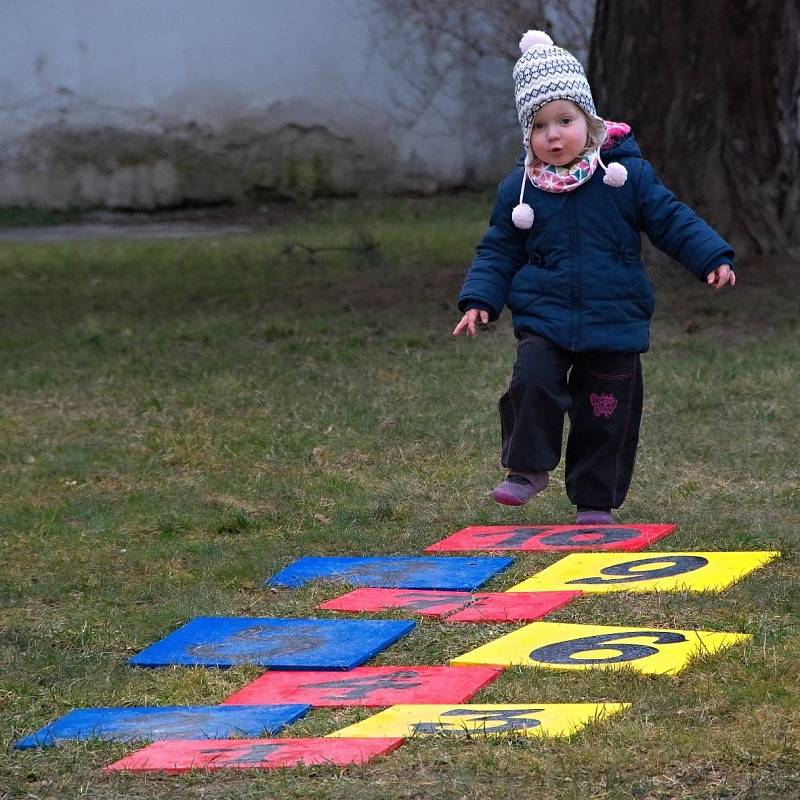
[632, 262]
[645, 288]
[526, 287]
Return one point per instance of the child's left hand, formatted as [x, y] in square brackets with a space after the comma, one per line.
[721, 275]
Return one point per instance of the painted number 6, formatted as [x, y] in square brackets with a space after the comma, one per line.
[566, 652]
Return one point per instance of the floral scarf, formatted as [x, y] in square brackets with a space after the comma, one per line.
[551, 178]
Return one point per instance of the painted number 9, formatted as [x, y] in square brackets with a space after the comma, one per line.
[658, 567]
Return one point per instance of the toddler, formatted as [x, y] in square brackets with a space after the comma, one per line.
[563, 252]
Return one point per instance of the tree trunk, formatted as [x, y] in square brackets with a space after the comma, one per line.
[712, 92]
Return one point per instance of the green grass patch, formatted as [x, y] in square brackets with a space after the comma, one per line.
[180, 419]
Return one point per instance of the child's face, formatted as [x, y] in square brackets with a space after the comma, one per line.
[559, 133]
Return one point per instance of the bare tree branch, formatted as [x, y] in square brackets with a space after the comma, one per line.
[452, 48]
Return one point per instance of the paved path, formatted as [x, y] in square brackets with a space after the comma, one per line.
[143, 230]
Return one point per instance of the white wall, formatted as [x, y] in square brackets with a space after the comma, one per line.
[161, 102]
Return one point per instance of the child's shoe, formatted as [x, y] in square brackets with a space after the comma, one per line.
[518, 488]
[594, 516]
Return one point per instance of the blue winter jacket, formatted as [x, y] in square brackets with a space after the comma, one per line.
[576, 277]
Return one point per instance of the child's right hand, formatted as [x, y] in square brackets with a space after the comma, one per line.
[470, 320]
[722, 275]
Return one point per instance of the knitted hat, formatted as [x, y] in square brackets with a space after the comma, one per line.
[545, 73]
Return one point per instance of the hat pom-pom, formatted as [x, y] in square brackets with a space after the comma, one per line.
[532, 38]
[616, 175]
[522, 216]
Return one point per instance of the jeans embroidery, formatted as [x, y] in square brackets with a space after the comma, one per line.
[603, 405]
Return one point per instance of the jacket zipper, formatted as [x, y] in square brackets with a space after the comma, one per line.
[574, 275]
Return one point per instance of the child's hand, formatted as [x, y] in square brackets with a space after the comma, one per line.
[721, 275]
[469, 320]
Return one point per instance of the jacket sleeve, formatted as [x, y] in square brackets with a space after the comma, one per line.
[499, 255]
[675, 229]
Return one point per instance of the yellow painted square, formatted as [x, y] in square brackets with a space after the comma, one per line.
[532, 719]
[556, 645]
[646, 572]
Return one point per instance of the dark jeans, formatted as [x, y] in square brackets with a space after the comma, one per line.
[601, 393]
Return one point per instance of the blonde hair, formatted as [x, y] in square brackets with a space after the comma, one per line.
[596, 130]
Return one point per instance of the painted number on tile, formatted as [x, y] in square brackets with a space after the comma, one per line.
[578, 651]
[498, 721]
[645, 569]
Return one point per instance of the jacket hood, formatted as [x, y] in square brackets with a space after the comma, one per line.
[621, 143]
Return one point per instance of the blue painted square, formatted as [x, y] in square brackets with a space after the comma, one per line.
[168, 722]
[274, 643]
[396, 572]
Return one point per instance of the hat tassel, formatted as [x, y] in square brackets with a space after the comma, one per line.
[616, 174]
[522, 215]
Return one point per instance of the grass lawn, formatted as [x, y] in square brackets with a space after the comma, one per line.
[181, 419]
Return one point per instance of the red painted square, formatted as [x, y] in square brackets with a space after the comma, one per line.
[428, 602]
[569, 538]
[512, 606]
[368, 686]
[181, 756]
